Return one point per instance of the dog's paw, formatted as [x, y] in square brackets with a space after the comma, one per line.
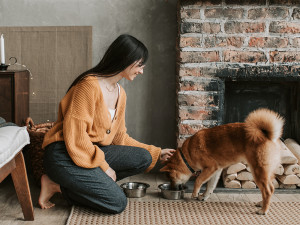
[259, 204]
[194, 196]
[261, 212]
[202, 197]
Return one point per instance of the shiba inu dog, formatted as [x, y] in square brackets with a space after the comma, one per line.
[256, 141]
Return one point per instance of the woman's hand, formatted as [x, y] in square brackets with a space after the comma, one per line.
[166, 154]
[111, 173]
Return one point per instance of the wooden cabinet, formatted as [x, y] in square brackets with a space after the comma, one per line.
[14, 96]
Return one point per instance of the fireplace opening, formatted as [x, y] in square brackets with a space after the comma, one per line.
[242, 97]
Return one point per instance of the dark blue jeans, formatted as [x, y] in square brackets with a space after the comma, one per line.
[93, 188]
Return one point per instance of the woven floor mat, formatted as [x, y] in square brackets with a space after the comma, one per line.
[161, 213]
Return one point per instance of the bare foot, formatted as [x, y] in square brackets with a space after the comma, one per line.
[48, 189]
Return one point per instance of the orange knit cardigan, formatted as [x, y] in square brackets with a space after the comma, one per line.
[84, 119]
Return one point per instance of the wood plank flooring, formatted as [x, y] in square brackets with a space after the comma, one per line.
[11, 213]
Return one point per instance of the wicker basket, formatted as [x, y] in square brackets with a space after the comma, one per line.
[35, 151]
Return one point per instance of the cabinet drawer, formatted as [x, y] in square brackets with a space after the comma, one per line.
[6, 97]
[14, 96]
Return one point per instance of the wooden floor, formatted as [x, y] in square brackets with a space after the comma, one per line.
[11, 213]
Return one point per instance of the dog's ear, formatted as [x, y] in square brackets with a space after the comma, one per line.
[165, 169]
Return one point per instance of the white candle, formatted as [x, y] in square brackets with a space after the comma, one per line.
[2, 50]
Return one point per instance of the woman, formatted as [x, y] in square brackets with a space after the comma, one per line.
[88, 149]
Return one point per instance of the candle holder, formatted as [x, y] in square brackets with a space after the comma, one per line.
[3, 67]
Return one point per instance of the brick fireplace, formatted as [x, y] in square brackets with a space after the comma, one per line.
[233, 57]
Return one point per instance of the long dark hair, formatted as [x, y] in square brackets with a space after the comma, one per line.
[124, 51]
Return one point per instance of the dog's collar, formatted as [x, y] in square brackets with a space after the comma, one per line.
[186, 163]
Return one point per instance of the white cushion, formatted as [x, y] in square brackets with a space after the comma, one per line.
[12, 140]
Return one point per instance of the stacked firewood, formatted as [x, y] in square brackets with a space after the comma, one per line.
[287, 174]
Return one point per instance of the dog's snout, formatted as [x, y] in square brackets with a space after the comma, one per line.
[176, 187]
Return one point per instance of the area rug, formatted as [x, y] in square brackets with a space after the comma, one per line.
[161, 213]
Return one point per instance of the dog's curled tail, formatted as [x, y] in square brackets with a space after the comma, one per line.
[263, 124]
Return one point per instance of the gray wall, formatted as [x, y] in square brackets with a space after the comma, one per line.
[150, 115]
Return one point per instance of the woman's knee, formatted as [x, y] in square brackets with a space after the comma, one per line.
[145, 158]
[114, 200]
[118, 204]
[122, 206]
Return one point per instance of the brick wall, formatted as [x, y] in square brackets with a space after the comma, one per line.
[230, 39]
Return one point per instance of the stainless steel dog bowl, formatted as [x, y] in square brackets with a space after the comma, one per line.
[168, 193]
[134, 189]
